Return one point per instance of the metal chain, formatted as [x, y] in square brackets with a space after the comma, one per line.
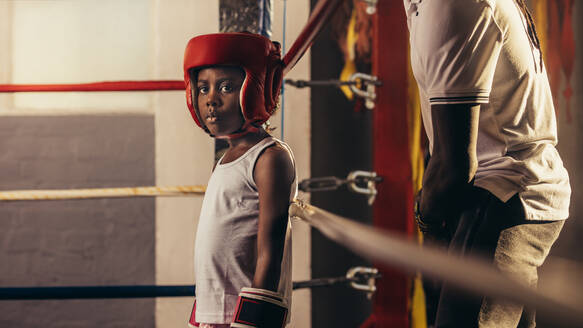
[333, 183]
[354, 181]
[362, 85]
[360, 278]
[318, 83]
[335, 83]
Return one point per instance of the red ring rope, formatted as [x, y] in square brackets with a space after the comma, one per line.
[320, 15]
[96, 86]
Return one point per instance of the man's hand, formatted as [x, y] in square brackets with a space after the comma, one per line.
[433, 229]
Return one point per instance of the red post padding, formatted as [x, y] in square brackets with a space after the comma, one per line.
[393, 208]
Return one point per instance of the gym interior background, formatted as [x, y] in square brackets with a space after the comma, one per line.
[124, 139]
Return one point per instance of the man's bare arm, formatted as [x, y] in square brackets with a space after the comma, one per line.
[453, 162]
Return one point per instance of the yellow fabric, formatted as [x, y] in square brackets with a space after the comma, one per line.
[414, 117]
[418, 308]
[349, 65]
[541, 23]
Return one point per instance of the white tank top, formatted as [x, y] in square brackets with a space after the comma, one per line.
[225, 252]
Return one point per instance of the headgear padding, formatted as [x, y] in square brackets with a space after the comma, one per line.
[258, 56]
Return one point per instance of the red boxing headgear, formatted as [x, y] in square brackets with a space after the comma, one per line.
[258, 56]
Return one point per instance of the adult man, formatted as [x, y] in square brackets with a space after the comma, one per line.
[495, 185]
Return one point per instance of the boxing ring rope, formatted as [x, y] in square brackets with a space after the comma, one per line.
[165, 85]
[18, 195]
[320, 15]
[471, 275]
[388, 248]
[146, 291]
[352, 181]
[93, 292]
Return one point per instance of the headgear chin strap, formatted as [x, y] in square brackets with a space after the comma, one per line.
[258, 56]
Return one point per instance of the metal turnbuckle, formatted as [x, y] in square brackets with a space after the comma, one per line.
[364, 177]
[361, 182]
[370, 82]
[356, 82]
[371, 6]
[363, 278]
[321, 184]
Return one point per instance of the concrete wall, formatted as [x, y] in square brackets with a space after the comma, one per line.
[73, 140]
[80, 41]
[184, 154]
[116, 139]
[87, 242]
[297, 133]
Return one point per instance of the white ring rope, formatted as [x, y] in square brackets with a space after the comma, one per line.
[382, 246]
[15, 195]
[470, 274]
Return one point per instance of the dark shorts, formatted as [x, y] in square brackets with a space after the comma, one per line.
[498, 232]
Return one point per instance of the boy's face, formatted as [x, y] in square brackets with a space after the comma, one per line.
[217, 97]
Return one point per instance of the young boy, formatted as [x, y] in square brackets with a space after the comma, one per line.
[243, 238]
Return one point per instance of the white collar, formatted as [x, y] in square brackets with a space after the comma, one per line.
[411, 6]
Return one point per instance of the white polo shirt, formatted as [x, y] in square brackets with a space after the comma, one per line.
[478, 51]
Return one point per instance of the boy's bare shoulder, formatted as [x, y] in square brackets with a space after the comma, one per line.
[277, 149]
[278, 152]
[277, 158]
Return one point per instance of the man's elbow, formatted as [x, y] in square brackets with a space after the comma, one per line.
[463, 173]
[450, 175]
[473, 168]
[460, 168]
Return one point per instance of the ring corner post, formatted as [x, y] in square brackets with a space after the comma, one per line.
[393, 207]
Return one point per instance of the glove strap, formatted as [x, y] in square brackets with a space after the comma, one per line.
[192, 321]
[260, 308]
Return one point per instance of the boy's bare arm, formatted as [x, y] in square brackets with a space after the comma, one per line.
[274, 173]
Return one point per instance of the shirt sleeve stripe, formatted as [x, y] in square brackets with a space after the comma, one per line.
[467, 99]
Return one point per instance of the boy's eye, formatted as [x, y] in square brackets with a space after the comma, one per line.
[227, 87]
[202, 89]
